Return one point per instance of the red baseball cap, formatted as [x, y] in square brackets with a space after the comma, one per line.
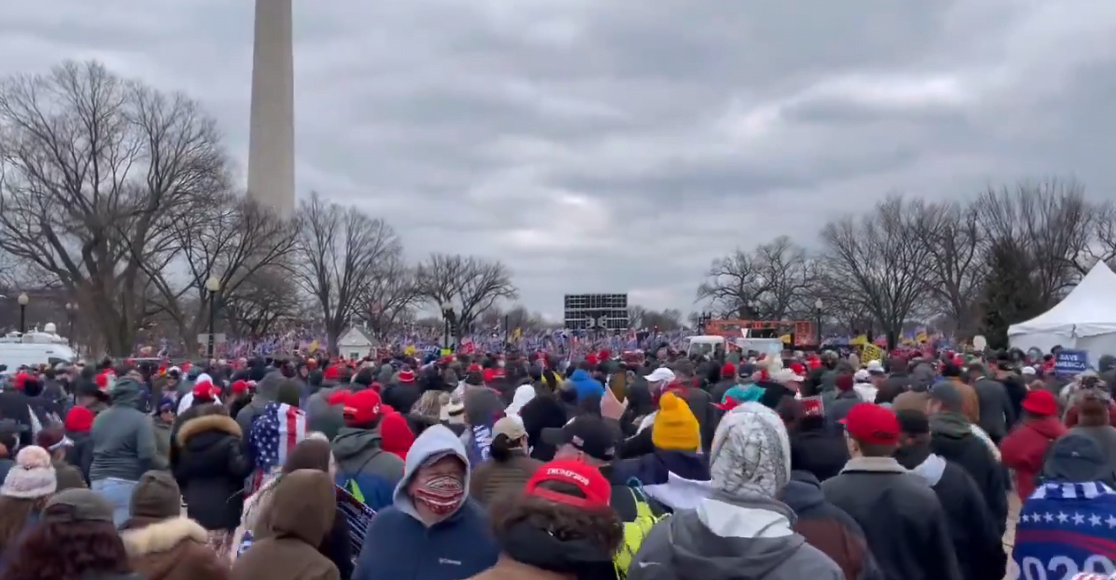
[406, 376]
[239, 387]
[339, 397]
[363, 407]
[489, 375]
[586, 478]
[332, 373]
[798, 368]
[1040, 403]
[206, 390]
[872, 424]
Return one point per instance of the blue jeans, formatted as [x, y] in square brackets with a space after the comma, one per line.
[118, 492]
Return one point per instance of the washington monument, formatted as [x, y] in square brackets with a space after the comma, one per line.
[271, 139]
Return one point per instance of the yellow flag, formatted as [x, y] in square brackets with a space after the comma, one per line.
[313, 346]
[870, 352]
[786, 338]
[409, 349]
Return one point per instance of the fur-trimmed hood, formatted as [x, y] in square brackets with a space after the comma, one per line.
[172, 549]
[196, 425]
[161, 536]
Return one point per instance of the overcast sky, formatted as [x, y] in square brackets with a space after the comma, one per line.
[620, 145]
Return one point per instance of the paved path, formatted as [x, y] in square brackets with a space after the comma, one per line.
[1009, 536]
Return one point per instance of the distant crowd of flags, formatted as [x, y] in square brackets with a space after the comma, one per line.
[561, 341]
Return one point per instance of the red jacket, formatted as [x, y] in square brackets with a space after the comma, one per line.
[1071, 416]
[1025, 448]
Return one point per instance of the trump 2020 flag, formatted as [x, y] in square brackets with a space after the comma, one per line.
[274, 435]
[480, 444]
[1066, 529]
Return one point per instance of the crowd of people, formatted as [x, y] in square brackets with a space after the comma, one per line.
[505, 465]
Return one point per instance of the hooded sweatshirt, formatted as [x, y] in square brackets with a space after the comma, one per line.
[585, 385]
[305, 508]
[123, 438]
[727, 539]
[399, 546]
[740, 532]
[364, 468]
[266, 391]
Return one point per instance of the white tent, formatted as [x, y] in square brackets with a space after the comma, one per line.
[1083, 320]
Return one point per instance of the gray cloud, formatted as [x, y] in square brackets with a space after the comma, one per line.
[611, 146]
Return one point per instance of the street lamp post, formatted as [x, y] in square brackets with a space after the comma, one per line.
[212, 286]
[447, 321]
[818, 305]
[23, 300]
[71, 313]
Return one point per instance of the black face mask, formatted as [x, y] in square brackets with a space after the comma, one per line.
[530, 545]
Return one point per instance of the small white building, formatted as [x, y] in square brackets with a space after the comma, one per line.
[355, 343]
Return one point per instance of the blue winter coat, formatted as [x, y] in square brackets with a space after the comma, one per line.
[399, 546]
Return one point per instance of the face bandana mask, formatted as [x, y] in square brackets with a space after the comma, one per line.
[441, 494]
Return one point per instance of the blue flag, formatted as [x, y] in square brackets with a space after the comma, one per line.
[1065, 529]
[480, 444]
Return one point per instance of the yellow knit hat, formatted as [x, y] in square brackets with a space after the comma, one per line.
[675, 427]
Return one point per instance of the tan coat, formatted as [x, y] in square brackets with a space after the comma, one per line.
[492, 479]
[172, 549]
[303, 505]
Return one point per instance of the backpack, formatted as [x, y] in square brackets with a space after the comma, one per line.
[634, 533]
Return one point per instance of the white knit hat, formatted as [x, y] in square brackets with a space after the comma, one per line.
[32, 476]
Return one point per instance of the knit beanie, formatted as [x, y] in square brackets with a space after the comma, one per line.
[32, 476]
[156, 496]
[675, 427]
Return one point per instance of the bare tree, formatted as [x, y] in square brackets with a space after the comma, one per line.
[339, 252]
[955, 270]
[774, 281]
[733, 284]
[470, 284]
[231, 240]
[1103, 248]
[262, 300]
[95, 170]
[873, 264]
[390, 296]
[789, 276]
[666, 320]
[1048, 220]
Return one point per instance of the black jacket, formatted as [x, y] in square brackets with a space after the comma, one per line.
[337, 546]
[401, 396]
[14, 407]
[542, 412]
[210, 467]
[972, 454]
[80, 455]
[829, 529]
[976, 541]
[902, 519]
[817, 449]
[996, 411]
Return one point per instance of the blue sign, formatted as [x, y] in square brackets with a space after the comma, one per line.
[1071, 362]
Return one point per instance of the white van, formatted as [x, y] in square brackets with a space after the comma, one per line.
[34, 349]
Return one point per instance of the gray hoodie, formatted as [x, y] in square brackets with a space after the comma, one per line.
[266, 392]
[320, 416]
[123, 437]
[730, 539]
[362, 461]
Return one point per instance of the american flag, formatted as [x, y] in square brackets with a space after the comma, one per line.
[273, 436]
